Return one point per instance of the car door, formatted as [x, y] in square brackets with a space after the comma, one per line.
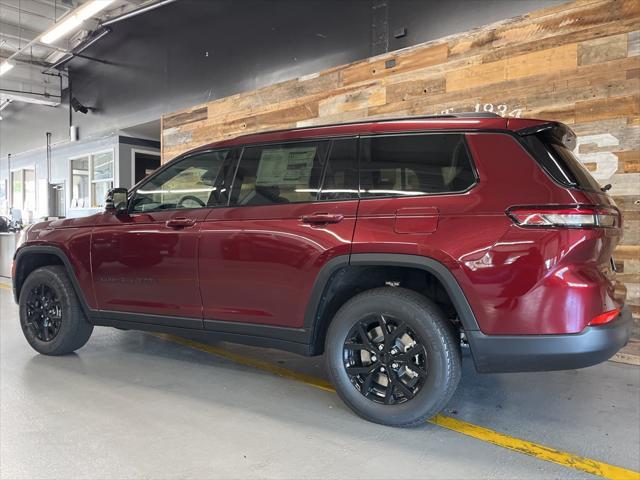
[290, 212]
[145, 261]
[413, 193]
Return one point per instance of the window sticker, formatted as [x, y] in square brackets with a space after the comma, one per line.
[286, 166]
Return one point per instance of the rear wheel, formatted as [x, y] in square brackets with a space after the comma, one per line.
[50, 314]
[393, 356]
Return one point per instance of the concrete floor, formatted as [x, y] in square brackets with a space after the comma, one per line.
[130, 405]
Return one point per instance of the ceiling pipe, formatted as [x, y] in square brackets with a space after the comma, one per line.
[133, 13]
[5, 104]
[79, 49]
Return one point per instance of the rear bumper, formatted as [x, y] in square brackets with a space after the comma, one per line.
[530, 353]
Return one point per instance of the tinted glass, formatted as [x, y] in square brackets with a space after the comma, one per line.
[341, 173]
[282, 173]
[194, 182]
[415, 165]
[560, 162]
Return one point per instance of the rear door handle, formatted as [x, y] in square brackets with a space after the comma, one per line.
[322, 218]
[180, 223]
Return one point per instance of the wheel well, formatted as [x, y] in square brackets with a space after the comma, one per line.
[349, 281]
[30, 262]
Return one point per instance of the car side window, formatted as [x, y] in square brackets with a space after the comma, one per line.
[197, 181]
[279, 173]
[394, 165]
[341, 172]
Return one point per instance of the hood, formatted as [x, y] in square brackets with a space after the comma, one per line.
[70, 222]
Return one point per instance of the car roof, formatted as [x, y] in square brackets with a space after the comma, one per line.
[455, 122]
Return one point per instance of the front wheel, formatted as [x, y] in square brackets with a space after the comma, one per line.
[50, 314]
[393, 356]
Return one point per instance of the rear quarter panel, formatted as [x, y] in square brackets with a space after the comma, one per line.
[516, 280]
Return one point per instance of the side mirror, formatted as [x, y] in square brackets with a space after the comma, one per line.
[116, 200]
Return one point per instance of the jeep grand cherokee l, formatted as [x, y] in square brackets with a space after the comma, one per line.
[383, 244]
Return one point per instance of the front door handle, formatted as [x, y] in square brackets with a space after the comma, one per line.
[178, 223]
[322, 218]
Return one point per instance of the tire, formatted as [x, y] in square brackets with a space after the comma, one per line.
[47, 297]
[428, 379]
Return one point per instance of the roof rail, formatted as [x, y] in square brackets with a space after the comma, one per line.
[426, 117]
[474, 115]
[412, 117]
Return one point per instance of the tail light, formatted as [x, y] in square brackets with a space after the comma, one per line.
[605, 317]
[565, 217]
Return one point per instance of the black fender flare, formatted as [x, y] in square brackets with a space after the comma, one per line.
[433, 266]
[27, 250]
[428, 264]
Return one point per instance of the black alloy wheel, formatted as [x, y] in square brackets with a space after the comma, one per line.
[393, 356]
[51, 316]
[385, 359]
[44, 312]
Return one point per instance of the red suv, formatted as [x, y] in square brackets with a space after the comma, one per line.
[386, 245]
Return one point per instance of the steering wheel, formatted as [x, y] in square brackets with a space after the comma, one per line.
[192, 198]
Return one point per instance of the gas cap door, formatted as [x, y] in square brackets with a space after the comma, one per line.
[416, 220]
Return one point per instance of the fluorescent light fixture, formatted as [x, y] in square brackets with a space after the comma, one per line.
[89, 9]
[61, 29]
[5, 67]
[74, 20]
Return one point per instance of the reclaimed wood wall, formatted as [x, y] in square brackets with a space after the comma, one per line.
[578, 63]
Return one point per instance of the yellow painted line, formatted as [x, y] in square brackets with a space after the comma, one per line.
[548, 454]
[250, 362]
[5, 286]
[525, 447]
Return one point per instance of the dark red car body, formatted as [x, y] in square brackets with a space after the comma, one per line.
[262, 274]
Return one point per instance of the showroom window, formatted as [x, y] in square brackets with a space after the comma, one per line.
[282, 173]
[23, 190]
[91, 178]
[17, 189]
[80, 182]
[423, 164]
[101, 177]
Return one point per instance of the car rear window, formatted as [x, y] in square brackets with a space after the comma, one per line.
[559, 161]
[422, 164]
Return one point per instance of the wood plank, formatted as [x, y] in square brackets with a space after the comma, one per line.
[402, 91]
[604, 108]
[551, 60]
[633, 43]
[270, 121]
[477, 75]
[556, 60]
[629, 161]
[602, 49]
[627, 252]
[357, 100]
[185, 117]
[378, 67]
